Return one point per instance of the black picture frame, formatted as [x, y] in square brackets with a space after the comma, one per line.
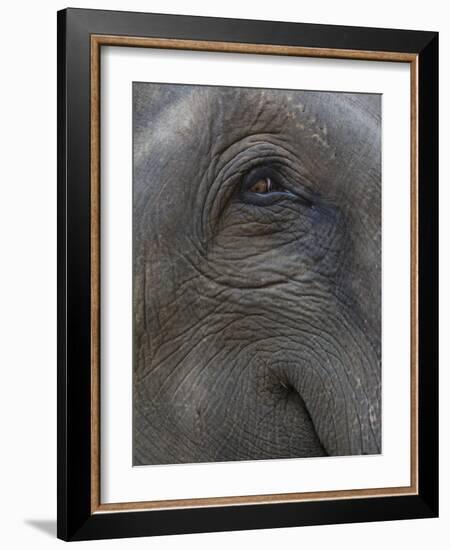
[76, 518]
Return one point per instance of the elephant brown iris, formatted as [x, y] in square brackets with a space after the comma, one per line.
[263, 185]
[256, 274]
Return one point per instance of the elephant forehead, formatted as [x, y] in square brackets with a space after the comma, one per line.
[252, 110]
[207, 120]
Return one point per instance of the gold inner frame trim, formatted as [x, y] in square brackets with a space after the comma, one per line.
[194, 45]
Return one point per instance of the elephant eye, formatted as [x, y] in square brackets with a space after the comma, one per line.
[262, 187]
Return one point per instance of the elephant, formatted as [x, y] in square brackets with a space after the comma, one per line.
[256, 273]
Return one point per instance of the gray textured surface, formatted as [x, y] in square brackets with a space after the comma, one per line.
[256, 321]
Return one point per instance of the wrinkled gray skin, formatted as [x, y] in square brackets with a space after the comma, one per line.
[257, 326]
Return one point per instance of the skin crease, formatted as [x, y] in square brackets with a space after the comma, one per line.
[256, 319]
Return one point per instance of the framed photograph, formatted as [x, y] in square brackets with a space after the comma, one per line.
[247, 252]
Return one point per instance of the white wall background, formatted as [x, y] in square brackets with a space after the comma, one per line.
[28, 272]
